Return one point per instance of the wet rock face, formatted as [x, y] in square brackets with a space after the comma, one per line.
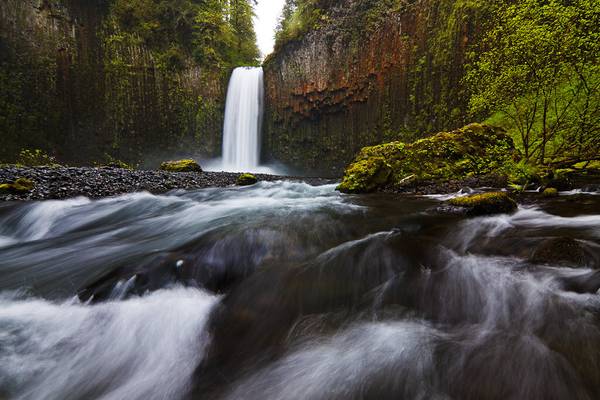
[360, 80]
[74, 87]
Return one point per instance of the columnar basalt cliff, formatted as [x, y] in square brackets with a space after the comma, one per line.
[78, 87]
[366, 74]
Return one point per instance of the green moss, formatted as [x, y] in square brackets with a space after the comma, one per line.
[587, 165]
[486, 203]
[246, 179]
[550, 192]
[21, 185]
[187, 165]
[365, 176]
[474, 150]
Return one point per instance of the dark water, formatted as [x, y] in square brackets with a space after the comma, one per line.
[289, 291]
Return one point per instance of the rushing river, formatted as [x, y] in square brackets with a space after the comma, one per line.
[290, 291]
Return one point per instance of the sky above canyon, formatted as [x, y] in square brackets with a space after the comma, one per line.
[267, 14]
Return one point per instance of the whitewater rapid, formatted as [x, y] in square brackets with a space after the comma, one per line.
[140, 348]
[283, 290]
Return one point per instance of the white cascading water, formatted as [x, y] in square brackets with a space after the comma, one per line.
[243, 120]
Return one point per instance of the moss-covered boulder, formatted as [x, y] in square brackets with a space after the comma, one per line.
[20, 185]
[187, 165]
[246, 180]
[366, 175]
[475, 150]
[550, 192]
[485, 203]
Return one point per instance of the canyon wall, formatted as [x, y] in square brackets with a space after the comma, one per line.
[367, 74]
[76, 86]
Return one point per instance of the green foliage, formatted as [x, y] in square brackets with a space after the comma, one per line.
[35, 158]
[540, 78]
[523, 173]
[300, 17]
[217, 33]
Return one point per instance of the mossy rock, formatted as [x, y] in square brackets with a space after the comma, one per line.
[550, 192]
[246, 180]
[187, 165]
[485, 203]
[21, 185]
[472, 151]
[366, 176]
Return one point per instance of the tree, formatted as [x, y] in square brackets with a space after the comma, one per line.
[212, 34]
[286, 14]
[216, 33]
[241, 13]
[540, 72]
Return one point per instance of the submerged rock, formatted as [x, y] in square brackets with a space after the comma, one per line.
[563, 250]
[472, 151]
[187, 165]
[246, 180]
[485, 203]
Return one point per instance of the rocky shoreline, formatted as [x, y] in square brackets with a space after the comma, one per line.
[67, 182]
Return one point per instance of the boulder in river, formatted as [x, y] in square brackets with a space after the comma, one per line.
[550, 192]
[187, 165]
[485, 203]
[365, 175]
[473, 151]
[246, 180]
[563, 251]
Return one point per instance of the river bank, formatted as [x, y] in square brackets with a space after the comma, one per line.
[67, 182]
[54, 183]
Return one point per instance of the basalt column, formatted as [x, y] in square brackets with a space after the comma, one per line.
[364, 76]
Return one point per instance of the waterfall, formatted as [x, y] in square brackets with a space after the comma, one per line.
[243, 120]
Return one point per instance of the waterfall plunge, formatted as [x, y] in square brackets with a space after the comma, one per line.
[243, 120]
